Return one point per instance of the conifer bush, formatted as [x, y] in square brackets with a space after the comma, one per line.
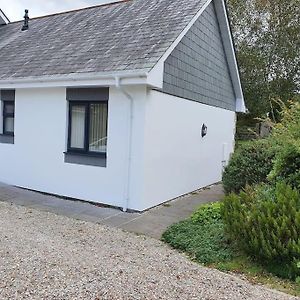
[265, 222]
[286, 135]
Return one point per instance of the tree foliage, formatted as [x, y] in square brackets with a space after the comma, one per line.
[267, 37]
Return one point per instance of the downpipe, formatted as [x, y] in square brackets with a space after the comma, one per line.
[129, 148]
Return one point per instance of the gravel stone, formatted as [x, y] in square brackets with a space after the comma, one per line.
[46, 256]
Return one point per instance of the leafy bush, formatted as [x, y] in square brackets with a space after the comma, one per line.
[250, 164]
[265, 221]
[207, 213]
[201, 236]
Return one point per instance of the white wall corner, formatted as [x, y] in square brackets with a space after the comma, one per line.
[156, 75]
[240, 106]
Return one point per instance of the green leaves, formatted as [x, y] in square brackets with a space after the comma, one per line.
[207, 213]
[267, 37]
[201, 236]
[286, 135]
[265, 222]
[250, 164]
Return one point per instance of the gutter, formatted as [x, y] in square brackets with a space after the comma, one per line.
[127, 176]
[74, 79]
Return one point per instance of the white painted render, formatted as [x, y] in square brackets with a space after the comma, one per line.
[168, 156]
[36, 160]
[177, 159]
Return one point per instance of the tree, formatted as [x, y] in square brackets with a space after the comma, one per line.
[267, 37]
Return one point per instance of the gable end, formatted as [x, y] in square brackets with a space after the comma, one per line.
[197, 69]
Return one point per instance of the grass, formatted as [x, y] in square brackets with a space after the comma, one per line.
[256, 274]
[206, 243]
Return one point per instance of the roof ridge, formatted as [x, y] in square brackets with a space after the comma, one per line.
[75, 10]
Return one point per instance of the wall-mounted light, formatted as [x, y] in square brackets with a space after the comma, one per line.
[204, 130]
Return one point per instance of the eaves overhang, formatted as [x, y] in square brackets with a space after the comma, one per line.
[82, 79]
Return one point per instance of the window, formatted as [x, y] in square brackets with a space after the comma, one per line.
[88, 127]
[8, 117]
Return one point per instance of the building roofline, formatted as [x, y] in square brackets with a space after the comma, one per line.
[77, 10]
[78, 79]
[3, 17]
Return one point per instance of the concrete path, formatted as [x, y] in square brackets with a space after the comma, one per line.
[151, 223]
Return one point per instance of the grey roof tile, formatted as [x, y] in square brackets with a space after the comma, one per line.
[128, 35]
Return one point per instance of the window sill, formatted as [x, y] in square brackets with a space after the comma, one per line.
[86, 159]
[7, 139]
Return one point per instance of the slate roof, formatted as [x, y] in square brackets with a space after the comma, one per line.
[125, 36]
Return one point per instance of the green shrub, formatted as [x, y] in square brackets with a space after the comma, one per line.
[265, 221]
[250, 164]
[287, 166]
[286, 135]
[287, 131]
[201, 236]
[207, 213]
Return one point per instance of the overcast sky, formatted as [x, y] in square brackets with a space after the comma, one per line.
[14, 9]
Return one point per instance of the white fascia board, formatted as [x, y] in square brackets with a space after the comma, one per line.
[230, 54]
[155, 76]
[3, 18]
[92, 79]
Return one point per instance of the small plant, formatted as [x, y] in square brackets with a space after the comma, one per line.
[207, 213]
[250, 164]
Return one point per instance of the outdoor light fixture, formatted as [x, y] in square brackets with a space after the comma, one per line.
[204, 130]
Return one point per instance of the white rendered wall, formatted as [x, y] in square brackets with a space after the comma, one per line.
[36, 160]
[169, 158]
[177, 159]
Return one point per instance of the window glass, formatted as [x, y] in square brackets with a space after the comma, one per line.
[77, 126]
[9, 108]
[8, 117]
[9, 125]
[98, 127]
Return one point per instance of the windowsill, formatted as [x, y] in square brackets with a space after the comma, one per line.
[86, 159]
[7, 134]
[7, 138]
[90, 154]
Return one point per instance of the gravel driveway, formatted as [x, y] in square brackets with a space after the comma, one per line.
[44, 256]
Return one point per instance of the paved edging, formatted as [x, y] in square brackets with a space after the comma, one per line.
[151, 223]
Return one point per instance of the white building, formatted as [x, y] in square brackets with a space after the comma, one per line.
[128, 104]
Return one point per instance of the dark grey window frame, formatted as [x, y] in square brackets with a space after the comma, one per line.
[6, 115]
[84, 96]
[85, 150]
[7, 96]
